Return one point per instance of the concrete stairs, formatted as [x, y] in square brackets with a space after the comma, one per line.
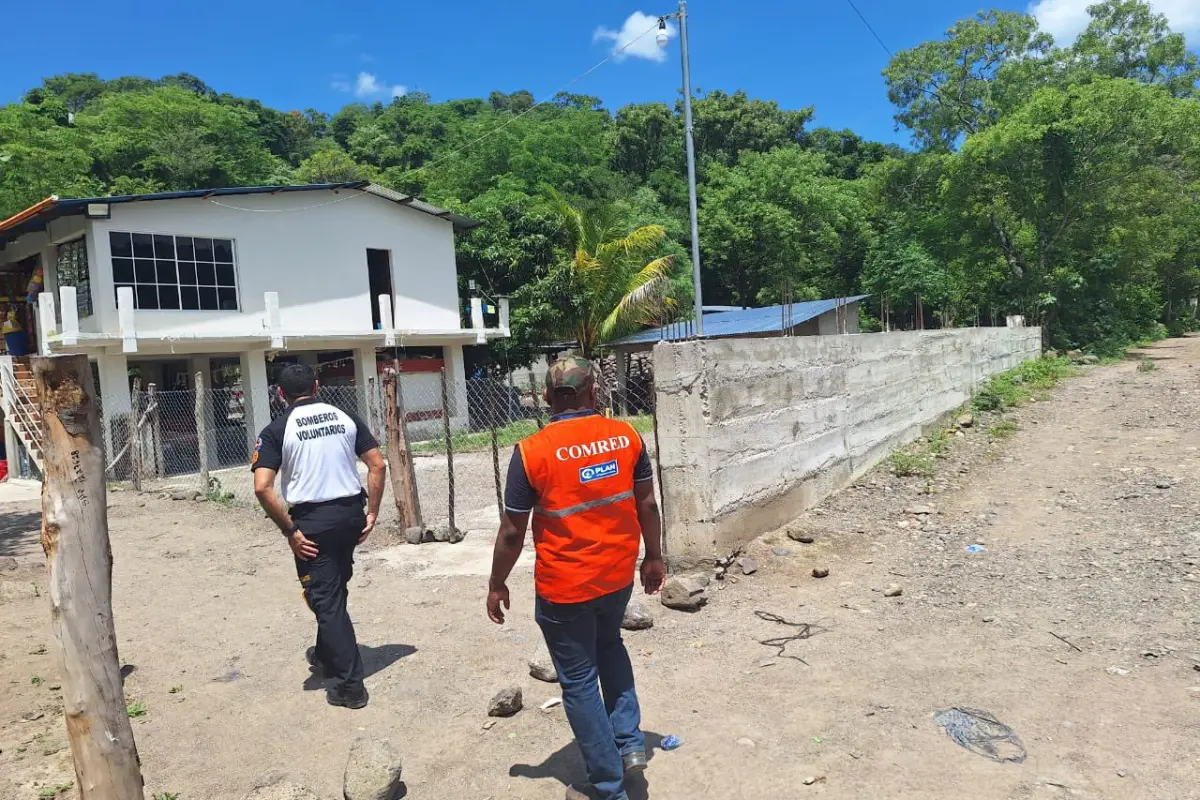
[21, 407]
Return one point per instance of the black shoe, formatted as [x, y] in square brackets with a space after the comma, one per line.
[323, 671]
[336, 697]
[634, 762]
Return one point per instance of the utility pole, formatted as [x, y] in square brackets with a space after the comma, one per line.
[691, 167]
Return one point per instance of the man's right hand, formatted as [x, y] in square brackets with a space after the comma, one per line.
[654, 575]
[302, 548]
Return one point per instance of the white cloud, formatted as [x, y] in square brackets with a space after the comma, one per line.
[628, 38]
[1066, 19]
[367, 85]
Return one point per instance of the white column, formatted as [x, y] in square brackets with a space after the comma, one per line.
[364, 378]
[200, 364]
[114, 396]
[364, 366]
[255, 393]
[11, 444]
[456, 376]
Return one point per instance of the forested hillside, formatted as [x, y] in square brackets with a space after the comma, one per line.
[1058, 182]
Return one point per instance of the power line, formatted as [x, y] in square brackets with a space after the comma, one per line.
[886, 49]
[540, 103]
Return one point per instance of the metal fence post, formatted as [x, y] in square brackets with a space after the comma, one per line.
[201, 412]
[135, 434]
[449, 450]
[156, 446]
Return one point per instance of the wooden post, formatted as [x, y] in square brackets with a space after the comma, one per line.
[494, 414]
[202, 427]
[135, 434]
[449, 450]
[75, 540]
[404, 484]
[156, 445]
[537, 402]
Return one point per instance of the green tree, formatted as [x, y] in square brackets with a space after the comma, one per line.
[331, 165]
[959, 85]
[780, 217]
[613, 287]
[40, 157]
[1126, 39]
[176, 138]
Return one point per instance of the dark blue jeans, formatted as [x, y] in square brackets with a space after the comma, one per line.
[585, 645]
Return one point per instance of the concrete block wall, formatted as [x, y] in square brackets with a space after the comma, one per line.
[751, 432]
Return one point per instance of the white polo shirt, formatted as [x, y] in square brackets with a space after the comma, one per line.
[315, 447]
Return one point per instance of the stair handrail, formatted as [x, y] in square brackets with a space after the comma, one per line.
[19, 403]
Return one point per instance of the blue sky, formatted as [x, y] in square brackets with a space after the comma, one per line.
[303, 53]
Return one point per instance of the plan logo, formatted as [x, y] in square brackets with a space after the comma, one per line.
[598, 471]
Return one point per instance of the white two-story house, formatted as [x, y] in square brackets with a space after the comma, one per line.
[181, 283]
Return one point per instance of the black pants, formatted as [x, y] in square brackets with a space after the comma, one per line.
[335, 528]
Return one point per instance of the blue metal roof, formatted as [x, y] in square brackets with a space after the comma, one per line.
[55, 208]
[743, 322]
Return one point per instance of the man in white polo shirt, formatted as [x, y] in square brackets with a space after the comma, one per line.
[316, 447]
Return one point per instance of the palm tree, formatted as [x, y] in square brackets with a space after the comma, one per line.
[616, 288]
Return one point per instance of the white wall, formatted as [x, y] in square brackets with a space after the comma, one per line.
[310, 247]
[752, 432]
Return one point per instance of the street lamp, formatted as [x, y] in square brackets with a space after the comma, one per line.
[662, 38]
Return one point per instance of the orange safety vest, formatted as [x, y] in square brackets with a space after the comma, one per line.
[585, 527]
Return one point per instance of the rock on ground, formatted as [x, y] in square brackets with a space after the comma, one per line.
[749, 565]
[893, 590]
[798, 535]
[8, 564]
[372, 770]
[444, 533]
[820, 572]
[506, 702]
[685, 593]
[541, 667]
[636, 618]
[281, 791]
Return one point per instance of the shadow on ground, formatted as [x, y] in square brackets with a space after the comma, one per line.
[375, 660]
[566, 766]
[19, 533]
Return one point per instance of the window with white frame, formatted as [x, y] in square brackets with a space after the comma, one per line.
[71, 267]
[189, 273]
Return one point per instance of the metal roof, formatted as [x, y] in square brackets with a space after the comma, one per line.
[36, 216]
[744, 321]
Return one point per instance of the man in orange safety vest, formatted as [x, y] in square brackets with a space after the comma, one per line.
[589, 486]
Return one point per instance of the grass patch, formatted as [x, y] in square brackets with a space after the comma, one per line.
[166, 796]
[507, 436]
[54, 791]
[36, 680]
[136, 709]
[906, 463]
[1017, 386]
[939, 442]
[175, 690]
[1002, 429]
[1147, 365]
[216, 492]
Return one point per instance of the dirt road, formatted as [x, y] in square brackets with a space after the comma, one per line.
[1088, 517]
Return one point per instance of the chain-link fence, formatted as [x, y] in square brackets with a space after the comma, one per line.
[459, 434]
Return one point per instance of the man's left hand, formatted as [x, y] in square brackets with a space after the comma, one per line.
[367, 530]
[497, 597]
